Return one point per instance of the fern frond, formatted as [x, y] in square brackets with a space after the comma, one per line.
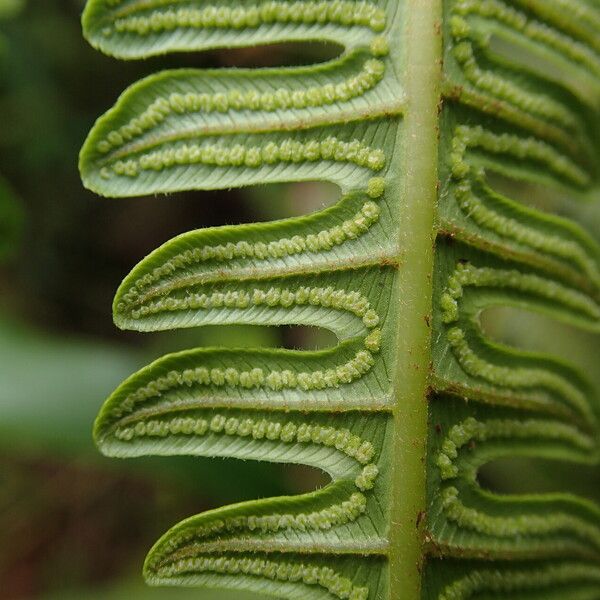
[522, 86]
[411, 401]
[138, 29]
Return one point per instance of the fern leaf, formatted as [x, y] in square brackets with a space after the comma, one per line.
[430, 231]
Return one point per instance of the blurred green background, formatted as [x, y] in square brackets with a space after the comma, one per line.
[75, 525]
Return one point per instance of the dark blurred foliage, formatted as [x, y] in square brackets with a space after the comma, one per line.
[64, 530]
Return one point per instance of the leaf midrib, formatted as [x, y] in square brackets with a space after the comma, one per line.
[419, 138]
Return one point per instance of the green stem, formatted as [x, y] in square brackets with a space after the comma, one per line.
[418, 145]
